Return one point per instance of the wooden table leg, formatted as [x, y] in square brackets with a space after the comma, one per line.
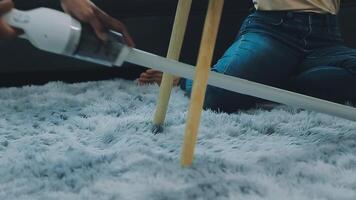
[206, 51]
[175, 46]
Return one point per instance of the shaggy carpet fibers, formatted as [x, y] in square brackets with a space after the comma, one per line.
[94, 141]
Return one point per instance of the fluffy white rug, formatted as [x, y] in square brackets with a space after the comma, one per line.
[94, 141]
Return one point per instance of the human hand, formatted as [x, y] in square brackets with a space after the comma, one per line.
[86, 11]
[6, 31]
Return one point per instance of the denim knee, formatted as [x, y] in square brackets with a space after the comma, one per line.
[221, 100]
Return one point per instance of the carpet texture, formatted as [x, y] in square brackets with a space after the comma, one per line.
[94, 141]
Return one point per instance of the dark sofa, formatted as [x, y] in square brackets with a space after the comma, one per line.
[150, 23]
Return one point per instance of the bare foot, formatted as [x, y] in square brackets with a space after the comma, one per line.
[152, 76]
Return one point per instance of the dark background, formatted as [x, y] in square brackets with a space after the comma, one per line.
[150, 23]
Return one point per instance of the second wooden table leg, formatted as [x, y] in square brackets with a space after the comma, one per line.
[206, 51]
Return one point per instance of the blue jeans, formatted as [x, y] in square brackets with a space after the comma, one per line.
[301, 52]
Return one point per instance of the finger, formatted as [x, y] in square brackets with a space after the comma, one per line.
[145, 78]
[146, 75]
[152, 74]
[150, 80]
[5, 6]
[99, 29]
[6, 31]
[153, 71]
[116, 25]
[65, 8]
[143, 75]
